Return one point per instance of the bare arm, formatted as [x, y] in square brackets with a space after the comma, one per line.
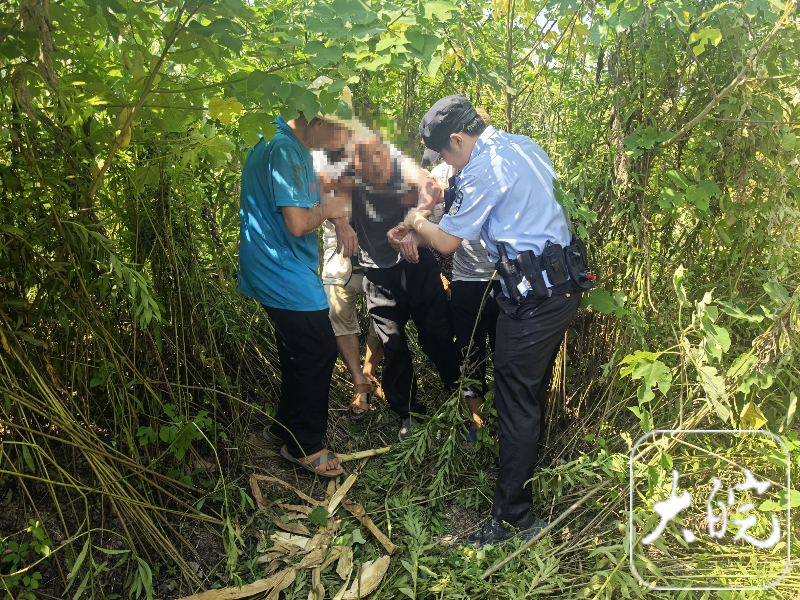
[301, 221]
[442, 241]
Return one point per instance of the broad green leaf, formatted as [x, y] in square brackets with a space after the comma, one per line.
[357, 50]
[600, 299]
[777, 292]
[598, 33]
[303, 100]
[697, 195]
[724, 236]
[712, 383]
[224, 109]
[645, 419]
[434, 64]
[416, 36]
[679, 179]
[771, 505]
[391, 42]
[355, 11]
[366, 31]
[788, 141]
[652, 373]
[710, 187]
[333, 27]
[709, 35]
[232, 43]
[670, 199]
[217, 147]
[741, 365]
[438, 9]
[375, 63]
[357, 537]
[717, 339]
[639, 355]
[318, 516]
[737, 312]
[268, 82]
[322, 55]
[752, 417]
[254, 123]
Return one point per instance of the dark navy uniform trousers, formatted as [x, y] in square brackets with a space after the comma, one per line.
[528, 338]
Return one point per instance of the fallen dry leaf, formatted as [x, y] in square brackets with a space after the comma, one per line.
[340, 493]
[317, 591]
[334, 553]
[332, 485]
[345, 564]
[295, 528]
[273, 584]
[282, 483]
[274, 565]
[290, 508]
[256, 490]
[355, 509]
[276, 552]
[296, 516]
[282, 584]
[313, 559]
[340, 594]
[285, 539]
[369, 578]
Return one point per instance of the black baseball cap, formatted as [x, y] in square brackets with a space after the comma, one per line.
[447, 116]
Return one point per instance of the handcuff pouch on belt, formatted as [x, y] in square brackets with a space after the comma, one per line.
[531, 267]
[554, 263]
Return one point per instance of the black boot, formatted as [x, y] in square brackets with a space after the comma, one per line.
[496, 532]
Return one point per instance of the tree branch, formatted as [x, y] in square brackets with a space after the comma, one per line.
[224, 83]
[741, 77]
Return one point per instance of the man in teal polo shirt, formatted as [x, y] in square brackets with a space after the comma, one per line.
[281, 209]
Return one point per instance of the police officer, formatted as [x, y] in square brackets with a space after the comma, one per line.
[505, 196]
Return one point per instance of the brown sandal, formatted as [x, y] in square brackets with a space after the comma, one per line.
[357, 403]
[378, 391]
[323, 457]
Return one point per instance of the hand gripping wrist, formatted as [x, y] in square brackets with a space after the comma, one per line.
[414, 218]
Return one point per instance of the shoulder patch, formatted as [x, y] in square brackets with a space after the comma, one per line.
[456, 203]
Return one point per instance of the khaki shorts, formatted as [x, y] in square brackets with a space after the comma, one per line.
[343, 310]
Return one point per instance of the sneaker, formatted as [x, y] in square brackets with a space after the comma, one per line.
[406, 427]
[496, 532]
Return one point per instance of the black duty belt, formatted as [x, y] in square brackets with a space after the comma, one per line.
[526, 273]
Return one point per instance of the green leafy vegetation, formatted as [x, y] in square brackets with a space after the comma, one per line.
[132, 372]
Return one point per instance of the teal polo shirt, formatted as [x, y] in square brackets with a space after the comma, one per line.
[276, 268]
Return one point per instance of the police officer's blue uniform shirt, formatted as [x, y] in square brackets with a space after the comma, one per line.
[275, 267]
[505, 194]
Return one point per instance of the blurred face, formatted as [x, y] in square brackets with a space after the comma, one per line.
[328, 136]
[458, 153]
[373, 162]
